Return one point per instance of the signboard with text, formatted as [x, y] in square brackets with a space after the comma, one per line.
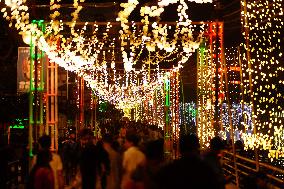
[23, 69]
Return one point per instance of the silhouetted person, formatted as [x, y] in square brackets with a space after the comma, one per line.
[155, 158]
[88, 160]
[189, 171]
[239, 146]
[214, 158]
[6, 155]
[70, 157]
[94, 163]
[256, 181]
[103, 164]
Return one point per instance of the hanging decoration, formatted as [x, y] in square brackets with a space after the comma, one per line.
[81, 54]
[155, 38]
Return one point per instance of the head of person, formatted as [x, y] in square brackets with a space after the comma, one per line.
[189, 144]
[217, 144]
[131, 139]
[155, 150]
[44, 142]
[72, 136]
[261, 179]
[107, 139]
[239, 145]
[43, 158]
[86, 137]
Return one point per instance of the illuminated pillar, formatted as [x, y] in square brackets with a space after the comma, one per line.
[80, 103]
[201, 92]
[209, 83]
[168, 126]
[155, 108]
[176, 110]
[92, 109]
[51, 104]
[216, 46]
[36, 88]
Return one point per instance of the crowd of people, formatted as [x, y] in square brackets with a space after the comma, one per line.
[128, 155]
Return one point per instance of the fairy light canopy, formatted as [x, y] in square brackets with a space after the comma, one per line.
[175, 40]
[93, 50]
[73, 15]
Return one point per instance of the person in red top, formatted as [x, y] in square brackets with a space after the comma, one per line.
[41, 175]
[44, 179]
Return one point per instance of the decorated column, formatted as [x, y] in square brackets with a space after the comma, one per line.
[51, 104]
[168, 127]
[36, 87]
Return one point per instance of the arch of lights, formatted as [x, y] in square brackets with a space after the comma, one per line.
[131, 87]
[80, 53]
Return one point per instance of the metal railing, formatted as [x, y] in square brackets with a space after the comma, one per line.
[247, 167]
[14, 175]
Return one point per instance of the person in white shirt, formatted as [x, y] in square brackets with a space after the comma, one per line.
[114, 177]
[134, 162]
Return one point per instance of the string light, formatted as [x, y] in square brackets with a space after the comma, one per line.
[264, 21]
[155, 36]
[79, 53]
[206, 70]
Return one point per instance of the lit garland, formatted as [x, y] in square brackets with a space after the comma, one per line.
[160, 39]
[187, 113]
[59, 48]
[205, 105]
[80, 54]
[206, 70]
[152, 110]
[241, 118]
[55, 24]
[126, 92]
[175, 105]
[233, 62]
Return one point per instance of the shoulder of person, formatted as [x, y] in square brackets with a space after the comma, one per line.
[55, 157]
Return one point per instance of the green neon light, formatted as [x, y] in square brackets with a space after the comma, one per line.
[167, 117]
[40, 87]
[37, 21]
[17, 126]
[167, 85]
[40, 56]
[202, 50]
[167, 100]
[167, 89]
[19, 123]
